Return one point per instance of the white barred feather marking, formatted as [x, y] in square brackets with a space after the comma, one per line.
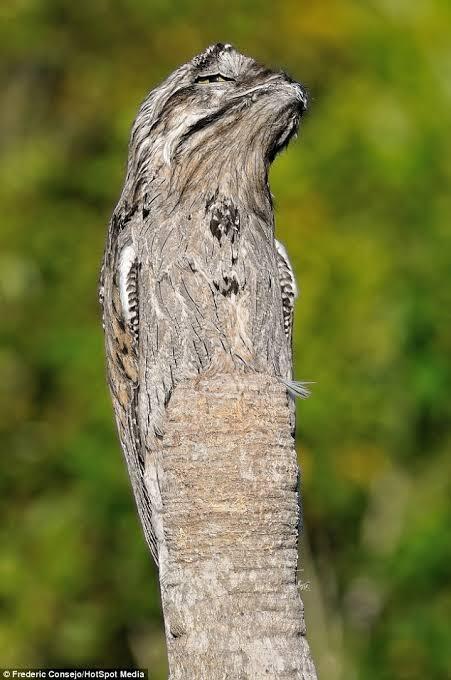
[128, 287]
[288, 287]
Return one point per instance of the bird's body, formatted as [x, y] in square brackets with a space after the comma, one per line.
[193, 279]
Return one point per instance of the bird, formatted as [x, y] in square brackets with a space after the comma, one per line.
[193, 280]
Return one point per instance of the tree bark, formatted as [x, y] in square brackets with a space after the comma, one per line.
[228, 517]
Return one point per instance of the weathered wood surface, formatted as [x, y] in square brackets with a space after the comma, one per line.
[229, 488]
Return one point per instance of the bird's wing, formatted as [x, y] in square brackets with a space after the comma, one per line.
[289, 291]
[119, 295]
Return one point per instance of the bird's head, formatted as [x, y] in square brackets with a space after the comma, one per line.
[220, 113]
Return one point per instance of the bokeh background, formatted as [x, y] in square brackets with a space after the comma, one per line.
[363, 204]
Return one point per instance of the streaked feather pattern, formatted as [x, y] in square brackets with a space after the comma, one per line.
[191, 280]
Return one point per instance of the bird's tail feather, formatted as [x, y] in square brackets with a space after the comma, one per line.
[297, 389]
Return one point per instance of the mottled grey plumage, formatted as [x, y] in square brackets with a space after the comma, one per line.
[192, 279]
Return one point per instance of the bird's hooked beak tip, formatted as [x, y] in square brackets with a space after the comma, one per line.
[296, 91]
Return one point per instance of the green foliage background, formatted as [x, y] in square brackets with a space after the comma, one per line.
[364, 206]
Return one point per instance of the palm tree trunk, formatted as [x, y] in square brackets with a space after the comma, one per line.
[229, 514]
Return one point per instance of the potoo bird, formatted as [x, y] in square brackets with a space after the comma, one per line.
[193, 279]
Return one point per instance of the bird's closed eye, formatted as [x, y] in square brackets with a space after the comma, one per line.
[213, 78]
